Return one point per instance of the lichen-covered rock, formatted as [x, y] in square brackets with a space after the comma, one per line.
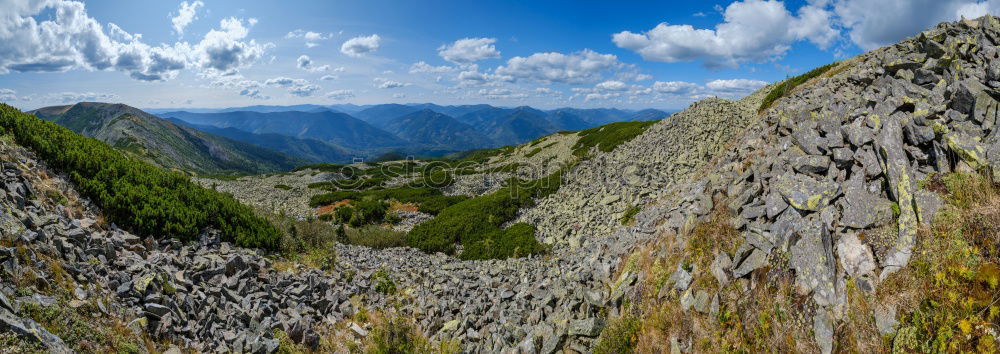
[813, 262]
[968, 149]
[805, 193]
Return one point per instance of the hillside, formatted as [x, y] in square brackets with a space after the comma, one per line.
[436, 130]
[510, 126]
[165, 143]
[332, 127]
[310, 150]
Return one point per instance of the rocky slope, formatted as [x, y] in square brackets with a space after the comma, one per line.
[211, 296]
[826, 185]
[598, 191]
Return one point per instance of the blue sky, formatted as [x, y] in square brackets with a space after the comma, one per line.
[629, 54]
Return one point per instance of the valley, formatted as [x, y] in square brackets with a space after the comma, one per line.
[849, 208]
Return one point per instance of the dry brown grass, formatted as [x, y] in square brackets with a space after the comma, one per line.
[761, 314]
[329, 209]
[948, 295]
[395, 206]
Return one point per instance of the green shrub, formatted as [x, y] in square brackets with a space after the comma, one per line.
[428, 200]
[533, 152]
[435, 204]
[135, 195]
[620, 336]
[607, 137]
[321, 185]
[343, 214]
[383, 283]
[783, 88]
[342, 234]
[518, 240]
[630, 214]
[332, 197]
[479, 219]
[375, 237]
[392, 218]
[283, 187]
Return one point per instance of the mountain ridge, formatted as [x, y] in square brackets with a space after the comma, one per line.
[163, 142]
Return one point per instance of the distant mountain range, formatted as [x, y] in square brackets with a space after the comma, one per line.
[333, 127]
[165, 143]
[262, 139]
[309, 149]
[426, 130]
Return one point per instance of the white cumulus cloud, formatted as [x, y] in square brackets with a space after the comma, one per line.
[875, 23]
[674, 87]
[574, 68]
[71, 39]
[423, 67]
[735, 85]
[311, 38]
[358, 46]
[384, 83]
[469, 50]
[185, 15]
[753, 30]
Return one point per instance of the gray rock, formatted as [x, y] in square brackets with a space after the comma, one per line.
[858, 135]
[774, 204]
[808, 140]
[553, 342]
[885, 319]
[812, 164]
[855, 257]
[813, 262]
[756, 259]
[928, 205]
[919, 135]
[358, 331]
[38, 299]
[823, 331]
[590, 327]
[529, 345]
[863, 210]
[900, 185]
[805, 193]
[687, 300]
[33, 332]
[234, 265]
[156, 310]
[681, 278]
[702, 301]
[719, 266]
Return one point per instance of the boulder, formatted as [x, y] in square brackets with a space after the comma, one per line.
[856, 258]
[805, 193]
[756, 259]
[681, 278]
[813, 262]
[33, 332]
[589, 327]
[823, 331]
